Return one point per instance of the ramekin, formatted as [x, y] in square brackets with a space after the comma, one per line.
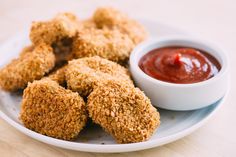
[181, 97]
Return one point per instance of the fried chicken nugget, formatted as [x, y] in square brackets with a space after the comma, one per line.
[86, 24]
[32, 64]
[109, 44]
[62, 50]
[112, 18]
[64, 25]
[26, 50]
[59, 75]
[51, 110]
[83, 75]
[123, 111]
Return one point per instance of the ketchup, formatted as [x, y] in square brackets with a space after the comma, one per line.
[179, 65]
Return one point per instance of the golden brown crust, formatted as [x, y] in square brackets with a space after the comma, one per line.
[64, 25]
[113, 101]
[82, 75]
[123, 111]
[59, 75]
[26, 50]
[28, 67]
[108, 16]
[114, 19]
[109, 44]
[62, 50]
[134, 30]
[51, 110]
[86, 24]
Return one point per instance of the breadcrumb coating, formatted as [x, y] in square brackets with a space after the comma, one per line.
[109, 44]
[59, 76]
[134, 30]
[87, 24]
[83, 75]
[112, 18]
[108, 16]
[62, 50]
[30, 66]
[51, 110]
[26, 50]
[123, 111]
[64, 25]
[92, 52]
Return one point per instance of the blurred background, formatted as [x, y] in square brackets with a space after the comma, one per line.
[214, 20]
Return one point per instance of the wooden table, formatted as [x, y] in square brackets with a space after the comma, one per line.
[214, 20]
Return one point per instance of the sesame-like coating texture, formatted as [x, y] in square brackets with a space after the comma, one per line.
[83, 75]
[64, 25]
[59, 75]
[30, 66]
[109, 44]
[123, 111]
[112, 18]
[51, 110]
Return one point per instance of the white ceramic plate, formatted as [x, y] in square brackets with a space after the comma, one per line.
[174, 125]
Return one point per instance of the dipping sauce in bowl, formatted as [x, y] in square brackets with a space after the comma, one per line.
[180, 73]
[180, 65]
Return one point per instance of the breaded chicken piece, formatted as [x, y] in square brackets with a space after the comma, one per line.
[30, 66]
[108, 16]
[64, 25]
[109, 44]
[86, 24]
[62, 50]
[51, 110]
[27, 50]
[123, 111]
[83, 75]
[59, 75]
[112, 18]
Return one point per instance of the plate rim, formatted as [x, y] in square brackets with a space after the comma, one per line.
[110, 148]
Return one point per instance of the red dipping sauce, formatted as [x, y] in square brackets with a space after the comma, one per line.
[179, 65]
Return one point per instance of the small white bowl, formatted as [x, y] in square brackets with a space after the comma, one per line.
[180, 96]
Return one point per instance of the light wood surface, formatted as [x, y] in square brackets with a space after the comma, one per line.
[214, 20]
